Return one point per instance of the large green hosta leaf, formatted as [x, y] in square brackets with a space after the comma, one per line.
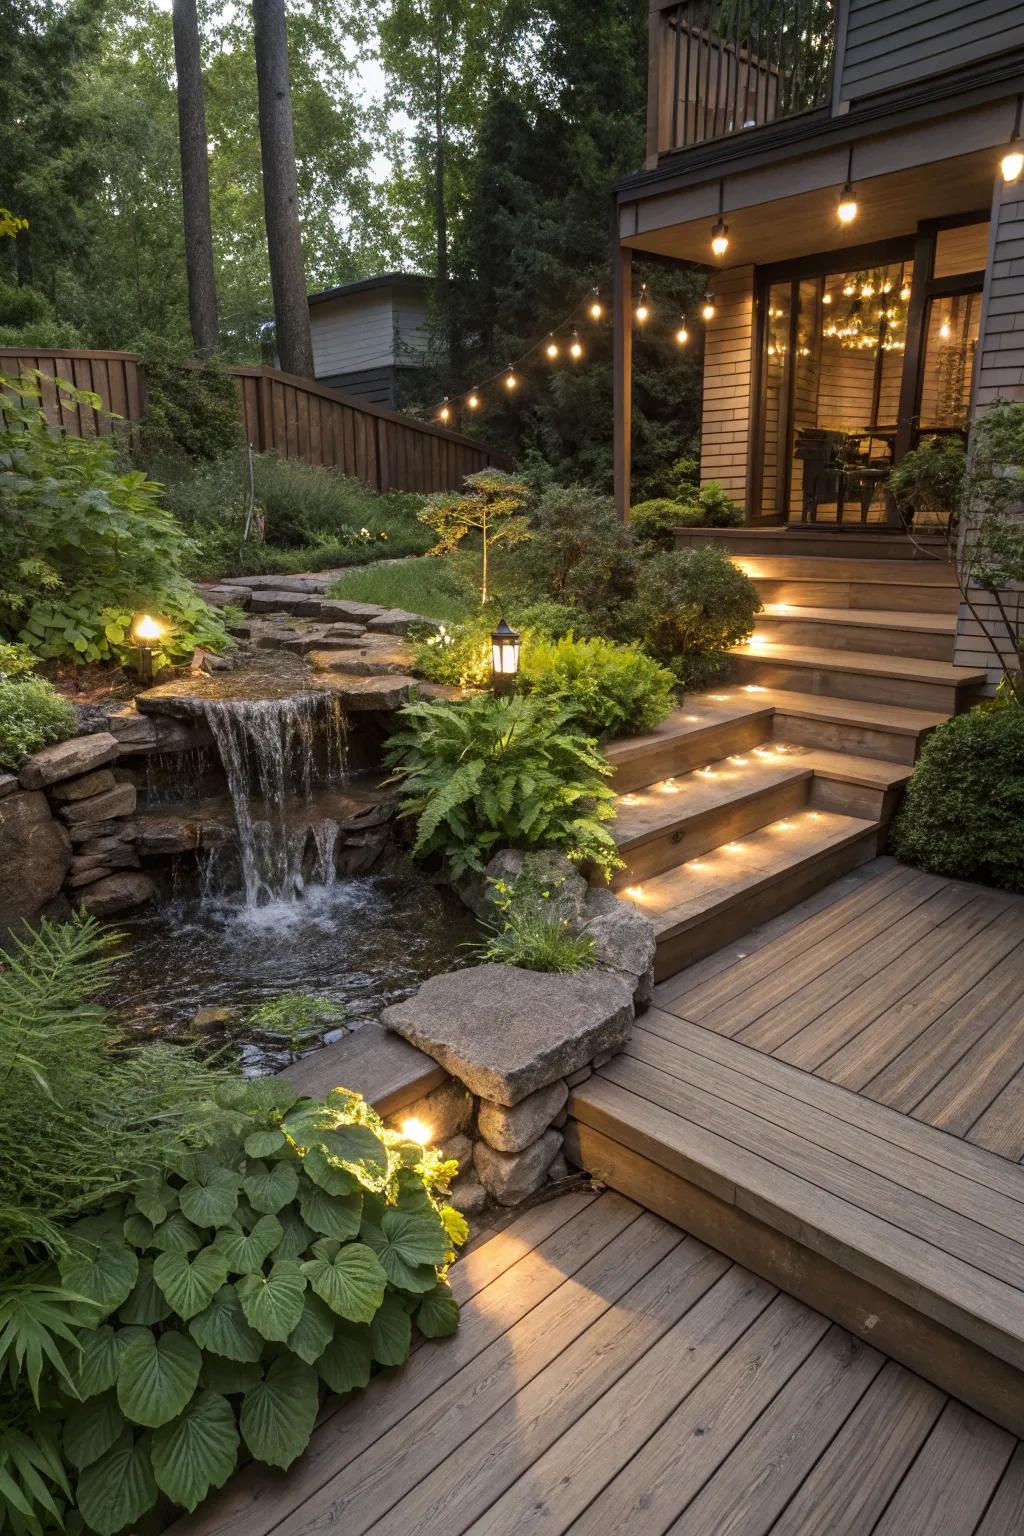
[246, 1251]
[437, 1315]
[210, 1201]
[223, 1330]
[297, 1236]
[100, 1268]
[273, 1303]
[146, 1305]
[270, 1188]
[351, 1281]
[197, 1451]
[327, 1175]
[176, 1235]
[263, 1143]
[100, 1358]
[409, 1246]
[391, 1332]
[332, 1215]
[190, 1284]
[229, 1376]
[314, 1330]
[91, 1428]
[346, 1362]
[119, 1488]
[315, 1125]
[278, 1415]
[157, 1377]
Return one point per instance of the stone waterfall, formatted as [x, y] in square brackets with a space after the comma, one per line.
[275, 754]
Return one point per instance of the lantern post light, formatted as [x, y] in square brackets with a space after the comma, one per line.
[146, 634]
[504, 658]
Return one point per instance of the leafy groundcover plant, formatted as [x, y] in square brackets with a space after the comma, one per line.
[32, 713]
[236, 1286]
[501, 773]
[609, 689]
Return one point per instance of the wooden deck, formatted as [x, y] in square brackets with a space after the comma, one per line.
[614, 1374]
[908, 989]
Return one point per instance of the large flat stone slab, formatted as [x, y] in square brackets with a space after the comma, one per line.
[67, 760]
[506, 1032]
[299, 604]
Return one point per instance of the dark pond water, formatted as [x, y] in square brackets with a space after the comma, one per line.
[362, 942]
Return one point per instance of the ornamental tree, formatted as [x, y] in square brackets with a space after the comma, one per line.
[491, 505]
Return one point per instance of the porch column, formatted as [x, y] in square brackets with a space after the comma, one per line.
[622, 377]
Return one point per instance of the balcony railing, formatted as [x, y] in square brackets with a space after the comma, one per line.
[719, 67]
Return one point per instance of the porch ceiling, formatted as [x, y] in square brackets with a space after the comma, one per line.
[805, 223]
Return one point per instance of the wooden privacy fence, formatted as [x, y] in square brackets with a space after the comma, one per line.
[294, 417]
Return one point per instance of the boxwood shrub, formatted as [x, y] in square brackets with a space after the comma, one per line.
[964, 810]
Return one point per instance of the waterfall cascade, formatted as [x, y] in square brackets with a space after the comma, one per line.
[276, 754]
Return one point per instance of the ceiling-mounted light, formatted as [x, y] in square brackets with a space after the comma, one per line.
[720, 229]
[1012, 162]
[846, 208]
[708, 307]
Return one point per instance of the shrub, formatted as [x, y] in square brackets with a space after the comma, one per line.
[964, 810]
[32, 715]
[191, 408]
[460, 654]
[690, 607]
[715, 507]
[654, 522]
[607, 689]
[501, 773]
[581, 554]
[928, 481]
[82, 547]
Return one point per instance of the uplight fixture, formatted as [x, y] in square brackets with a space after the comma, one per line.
[145, 634]
[417, 1130]
[505, 643]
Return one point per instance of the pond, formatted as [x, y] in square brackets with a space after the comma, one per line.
[363, 943]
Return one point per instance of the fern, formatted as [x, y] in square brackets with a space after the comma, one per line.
[501, 773]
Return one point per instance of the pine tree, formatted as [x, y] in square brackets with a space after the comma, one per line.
[195, 179]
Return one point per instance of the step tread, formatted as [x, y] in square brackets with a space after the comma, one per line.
[690, 892]
[648, 812]
[872, 772]
[869, 663]
[794, 566]
[899, 718]
[714, 1112]
[700, 712]
[865, 618]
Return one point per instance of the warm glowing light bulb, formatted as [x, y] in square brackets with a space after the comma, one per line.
[826, 298]
[417, 1130]
[682, 335]
[1011, 165]
[720, 238]
[905, 292]
[575, 346]
[846, 209]
[596, 310]
[445, 413]
[552, 348]
[868, 291]
[474, 401]
[708, 308]
[945, 330]
[146, 627]
[511, 382]
[634, 892]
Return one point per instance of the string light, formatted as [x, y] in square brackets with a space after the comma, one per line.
[708, 307]
[473, 401]
[682, 335]
[596, 307]
[576, 346]
[511, 381]
[643, 309]
[552, 347]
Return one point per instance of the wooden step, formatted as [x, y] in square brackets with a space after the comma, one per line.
[823, 592]
[702, 904]
[886, 632]
[910, 1238]
[856, 726]
[706, 727]
[903, 681]
[676, 819]
[917, 573]
[831, 542]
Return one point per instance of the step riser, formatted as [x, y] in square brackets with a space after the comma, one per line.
[848, 799]
[671, 759]
[918, 573]
[700, 834]
[837, 736]
[834, 682]
[877, 639]
[858, 594]
[657, 1179]
[801, 545]
[738, 914]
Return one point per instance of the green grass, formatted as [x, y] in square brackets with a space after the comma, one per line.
[431, 587]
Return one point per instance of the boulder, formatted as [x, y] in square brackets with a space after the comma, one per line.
[132, 732]
[395, 621]
[95, 783]
[35, 852]
[624, 941]
[458, 1149]
[510, 1177]
[222, 594]
[506, 1032]
[341, 608]
[121, 856]
[361, 662]
[468, 1195]
[559, 1168]
[119, 801]
[109, 831]
[512, 1130]
[117, 893]
[300, 605]
[546, 870]
[361, 694]
[67, 760]
[8, 784]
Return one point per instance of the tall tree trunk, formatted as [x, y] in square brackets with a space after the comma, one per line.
[195, 180]
[280, 189]
[446, 308]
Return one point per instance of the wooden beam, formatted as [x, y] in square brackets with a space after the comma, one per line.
[623, 378]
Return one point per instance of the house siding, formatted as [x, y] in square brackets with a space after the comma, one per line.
[353, 334]
[728, 363]
[890, 43]
[999, 375]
